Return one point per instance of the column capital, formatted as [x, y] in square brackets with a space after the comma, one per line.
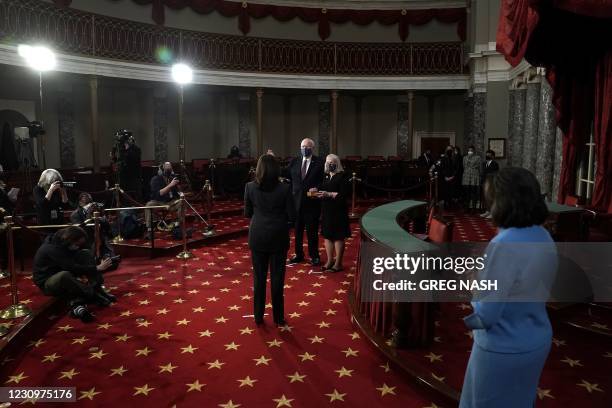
[259, 92]
[410, 94]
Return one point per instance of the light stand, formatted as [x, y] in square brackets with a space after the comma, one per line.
[182, 74]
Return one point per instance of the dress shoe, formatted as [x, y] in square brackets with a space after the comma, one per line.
[101, 300]
[296, 259]
[259, 322]
[111, 298]
[315, 261]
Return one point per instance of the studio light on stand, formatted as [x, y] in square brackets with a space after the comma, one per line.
[40, 59]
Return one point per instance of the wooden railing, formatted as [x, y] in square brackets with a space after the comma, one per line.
[78, 32]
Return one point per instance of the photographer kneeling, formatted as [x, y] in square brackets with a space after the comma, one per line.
[164, 191]
[58, 265]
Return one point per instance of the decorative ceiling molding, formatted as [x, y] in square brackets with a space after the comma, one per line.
[364, 4]
[148, 72]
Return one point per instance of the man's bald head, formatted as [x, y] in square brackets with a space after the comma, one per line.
[308, 142]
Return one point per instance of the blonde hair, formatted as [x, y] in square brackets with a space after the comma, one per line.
[49, 177]
[335, 159]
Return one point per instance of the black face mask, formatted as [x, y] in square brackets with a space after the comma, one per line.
[167, 173]
[332, 167]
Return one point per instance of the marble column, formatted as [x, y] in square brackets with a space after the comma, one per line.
[517, 127]
[160, 125]
[287, 126]
[404, 124]
[95, 127]
[511, 135]
[475, 121]
[324, 124]
[65, 128]
[547, 129]
[333, 145]
[532, 121]
[558, 161]
[244, 125]
[259, 93]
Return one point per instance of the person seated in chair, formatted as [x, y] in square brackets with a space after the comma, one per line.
[164, 191]
[61, 263]
[50, 198]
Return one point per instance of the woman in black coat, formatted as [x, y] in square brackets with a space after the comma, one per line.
[269, 205]
[334, 193]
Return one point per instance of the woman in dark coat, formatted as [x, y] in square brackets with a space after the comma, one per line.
[334, 193]
[269, 205]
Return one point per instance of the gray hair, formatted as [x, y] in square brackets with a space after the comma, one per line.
[49, 177]
[335, 159]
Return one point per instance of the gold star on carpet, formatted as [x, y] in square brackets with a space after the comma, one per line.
[335, 396]
[296, 377]
[179, 300]
[349, 352]
[329, 312]
[165, 335]
[188, 349]
[144, 352]
[590, 387]
[79, 340]
[221, 319]
[206, 333]
[143, 323]
[236, 281]
[195, 386]
[98, 354]
[385, 389]
[68, 374]
[385, 367]
[162, 311]
[340, 291]
[205, 283]
[183, 322]
[89, 394]
[145, 286]
[161, 293]
[295, 315]
[335, 301]
[224, 290]
[215, 364]
[282, 401]
[40, 342]
[118, 371]
[125, 337]
[558, 342]
[316, 339]
[144, 302]
[343, 372]
[354, 335]
[231, 346]
[441, 379]
[233, 307]
[144, 390]
[246, 330]
[274, 343]
[127, 313]
[16, 378]
[198, 309]
[303, 304]
[247, 381]
[433, 357]
[229, 404]
[307, 356]
[168, 368]
[262, 360]
[309, 294]
[176, 285]
[323, 324]
[245, 297]
[315, 285]
[571, 362]
[542, 393]
[268, 305]
[64, 328]
[50, 358]
[213, 299]
[193, 291]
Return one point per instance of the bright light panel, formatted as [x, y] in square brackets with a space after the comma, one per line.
[38, 57]
[182, 73]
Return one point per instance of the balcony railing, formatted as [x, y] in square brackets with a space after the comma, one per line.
[77, 32]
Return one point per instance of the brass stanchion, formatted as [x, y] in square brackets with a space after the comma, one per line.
[16, 309]
[354, 181]
[185, 254]
[96, 219]
[118, 238]
[209, 230]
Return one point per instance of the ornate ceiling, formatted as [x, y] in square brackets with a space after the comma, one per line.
[365, 4]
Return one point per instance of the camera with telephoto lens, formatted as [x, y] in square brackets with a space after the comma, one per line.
[69, 184]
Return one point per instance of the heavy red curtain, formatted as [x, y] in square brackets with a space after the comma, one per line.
[570, 38]
[323, 17]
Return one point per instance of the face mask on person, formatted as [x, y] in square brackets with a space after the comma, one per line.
[449, 152]
[489, 157]
[470, 152]
[306, 151]
[332, 167]
[168, 172]
[73, 247]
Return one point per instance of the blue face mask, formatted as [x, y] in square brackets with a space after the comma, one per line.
[306, 151]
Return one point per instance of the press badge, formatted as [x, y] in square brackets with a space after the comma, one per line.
[53, 214]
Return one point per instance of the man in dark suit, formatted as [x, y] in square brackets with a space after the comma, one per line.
[426, 160]
[489, 168]
[306, 172]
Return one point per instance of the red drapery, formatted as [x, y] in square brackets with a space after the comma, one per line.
[571, 39]
[323, 17]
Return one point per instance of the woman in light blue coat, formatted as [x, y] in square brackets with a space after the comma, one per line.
[512, 332]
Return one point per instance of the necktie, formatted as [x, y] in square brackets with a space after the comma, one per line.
[304, 164]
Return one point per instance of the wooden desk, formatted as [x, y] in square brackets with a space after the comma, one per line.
[566, 223]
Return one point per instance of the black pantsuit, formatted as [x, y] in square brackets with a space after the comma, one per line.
[307, 219]
[271, 212]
